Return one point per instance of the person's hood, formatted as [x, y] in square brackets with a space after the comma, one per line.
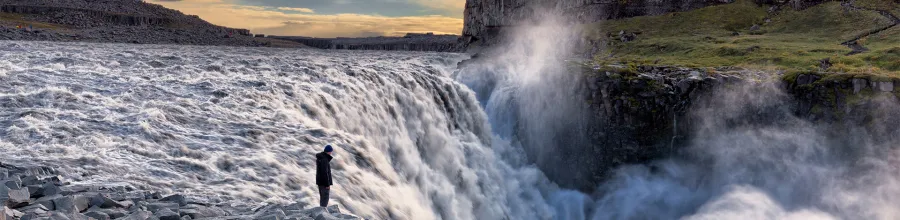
[323, 155]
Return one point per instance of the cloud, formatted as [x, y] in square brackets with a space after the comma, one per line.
[304, 10]
[272, 21]
[454, 7]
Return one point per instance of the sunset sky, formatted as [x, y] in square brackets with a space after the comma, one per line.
[329, 18]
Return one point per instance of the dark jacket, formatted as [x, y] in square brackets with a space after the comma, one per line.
[323, 169]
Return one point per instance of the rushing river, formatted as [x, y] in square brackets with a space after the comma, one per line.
[415, 138]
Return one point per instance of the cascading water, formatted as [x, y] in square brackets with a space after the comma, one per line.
[750, 156]
[239, 126]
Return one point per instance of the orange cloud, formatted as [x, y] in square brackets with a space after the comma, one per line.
[273, 21]
[304, 10]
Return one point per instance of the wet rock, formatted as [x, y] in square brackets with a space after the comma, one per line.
[47, 201]
[30, 180]
[48, 189]
[14, 197]
[176, 199]
[326, 216]
[12, 184]
[154, 207]
[138, 215]
[167, 214]
[97, 215]
[7, 213]
[885, 86]
[72, 203]
[858, 84]
[346, 216]
[105, 202]
[198, 211]
[36, 208]
[333, 209]
[804, 79]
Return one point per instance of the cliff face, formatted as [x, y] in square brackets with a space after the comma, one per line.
[649, 112]
[484, 19]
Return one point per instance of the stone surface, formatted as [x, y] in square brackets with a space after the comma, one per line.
[97, 215]
[326, 216]
[175, 199]
[167, 214]
[138, 215]
[14, 197]
[96, 202]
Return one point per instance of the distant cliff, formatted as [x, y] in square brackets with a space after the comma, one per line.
[410, 42]
[115, 21]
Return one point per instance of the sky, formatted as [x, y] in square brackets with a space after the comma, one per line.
[329, 18]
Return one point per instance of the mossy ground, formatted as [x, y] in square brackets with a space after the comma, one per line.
[793, 41]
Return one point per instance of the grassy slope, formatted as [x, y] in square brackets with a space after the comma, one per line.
[792, 41]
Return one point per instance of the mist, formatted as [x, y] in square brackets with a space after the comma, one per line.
[750, 156]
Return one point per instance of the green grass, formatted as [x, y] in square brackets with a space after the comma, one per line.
[792, 41]
[885, 5]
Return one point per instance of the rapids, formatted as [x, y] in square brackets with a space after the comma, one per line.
[415, 137]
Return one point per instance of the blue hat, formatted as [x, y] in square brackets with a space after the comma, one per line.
[328, 148]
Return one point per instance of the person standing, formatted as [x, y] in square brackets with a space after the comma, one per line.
[323, 174]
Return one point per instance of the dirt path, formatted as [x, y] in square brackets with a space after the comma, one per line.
[852, 43]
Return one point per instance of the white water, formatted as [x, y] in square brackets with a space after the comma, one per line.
[751, 158]
[240, 126]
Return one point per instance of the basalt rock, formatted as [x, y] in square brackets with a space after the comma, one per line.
[58, 200]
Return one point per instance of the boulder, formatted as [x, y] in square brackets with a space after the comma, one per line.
[105, 202]
[35, 208]
[7, 214]
[72, 204]
[59, 216]
[315, 211]
[97, 215]
[47, 201]
[112, 213]
[14, 197]
[198, 211]
[348, 217]
[177, 198]
[167, 214]
[326, 216]
[12, 184]
[48, 189]
[31, 180]
[138, 215]
[334, 209]
[154, 207]
[273, 214]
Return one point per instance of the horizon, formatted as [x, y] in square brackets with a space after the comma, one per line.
[328, 18]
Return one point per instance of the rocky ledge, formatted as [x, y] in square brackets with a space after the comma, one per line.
[410, 42]
[37, 192]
